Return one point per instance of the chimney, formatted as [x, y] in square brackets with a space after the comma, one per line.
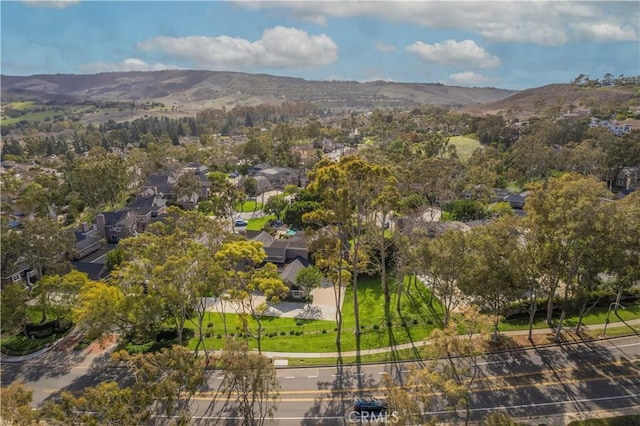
[100, 224]
[85, 227]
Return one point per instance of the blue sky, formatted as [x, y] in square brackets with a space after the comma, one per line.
[509, 44]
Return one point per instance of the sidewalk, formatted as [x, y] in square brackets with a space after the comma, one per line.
[317, 355]
[422, 343]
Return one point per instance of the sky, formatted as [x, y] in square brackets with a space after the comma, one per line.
[515, 44]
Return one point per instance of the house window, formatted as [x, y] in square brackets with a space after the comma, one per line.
[296, 293]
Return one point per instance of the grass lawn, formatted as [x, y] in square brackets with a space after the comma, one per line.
[33, 116]
[464, 146]
[258, 223]
[596, 316]
[284, 334]
[248, 206]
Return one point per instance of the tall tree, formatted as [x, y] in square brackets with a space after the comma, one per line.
[48, 247]
[329, 257]
[275, 205]
[565, 217]
[441, 263]
[242, 261]
[251, 378]
[171, 377]
[452, 376]
[492, 275]
[351, 191]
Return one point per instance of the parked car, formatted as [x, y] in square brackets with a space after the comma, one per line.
[240, 222]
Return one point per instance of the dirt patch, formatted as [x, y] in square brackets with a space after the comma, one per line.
[100, 345]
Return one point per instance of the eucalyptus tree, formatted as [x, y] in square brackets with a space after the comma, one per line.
[441, 262]
[624, 251]
[493, 267]
[451, 377]
[566, 219]
[251, 379]
[329, 256]
[242, 263]
[352, 193]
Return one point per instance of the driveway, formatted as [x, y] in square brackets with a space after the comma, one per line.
[322, 308]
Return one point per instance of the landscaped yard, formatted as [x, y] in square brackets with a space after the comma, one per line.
[291, 335]
[248, 206]
[258, 223]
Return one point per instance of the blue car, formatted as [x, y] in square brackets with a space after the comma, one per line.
[240, 222]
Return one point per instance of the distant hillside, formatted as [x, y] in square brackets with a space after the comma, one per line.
[561, 97]
[193, 90]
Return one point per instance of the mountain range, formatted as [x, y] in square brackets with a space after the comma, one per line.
[185, 92]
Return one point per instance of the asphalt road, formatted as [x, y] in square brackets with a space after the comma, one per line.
[551, 385]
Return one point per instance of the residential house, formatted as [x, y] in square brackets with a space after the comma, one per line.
[289, 274]
[114, 226]
[289, 253]
[279, 177]
[88, 240]
[145, 207]
[21, 272]
[628, 178]
[615, 128]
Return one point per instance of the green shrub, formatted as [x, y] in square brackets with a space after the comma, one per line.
[283, 333]
[324, 331]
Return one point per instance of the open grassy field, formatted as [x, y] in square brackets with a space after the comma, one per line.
[33, 116]
[465, 146]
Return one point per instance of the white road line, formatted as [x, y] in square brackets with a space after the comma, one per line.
[311, 377]
[623, 346]
[336, 375]
[220, 377]
[289, 377]
[383, 372]
[540, 404]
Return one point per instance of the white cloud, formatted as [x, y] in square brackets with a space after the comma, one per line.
[131, 64]
[548, 23]
[605, 32]
[465, 53]
[58, 4]
[468, 78]
[384, 47]
[279, 47]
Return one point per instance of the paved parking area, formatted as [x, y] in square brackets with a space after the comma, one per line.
[323, 306]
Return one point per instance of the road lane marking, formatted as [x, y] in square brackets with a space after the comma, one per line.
[383, 372]
[320, 392]
[336, 375]
[312, 377]
[623, 346]
[541, 404]
[289, 377]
